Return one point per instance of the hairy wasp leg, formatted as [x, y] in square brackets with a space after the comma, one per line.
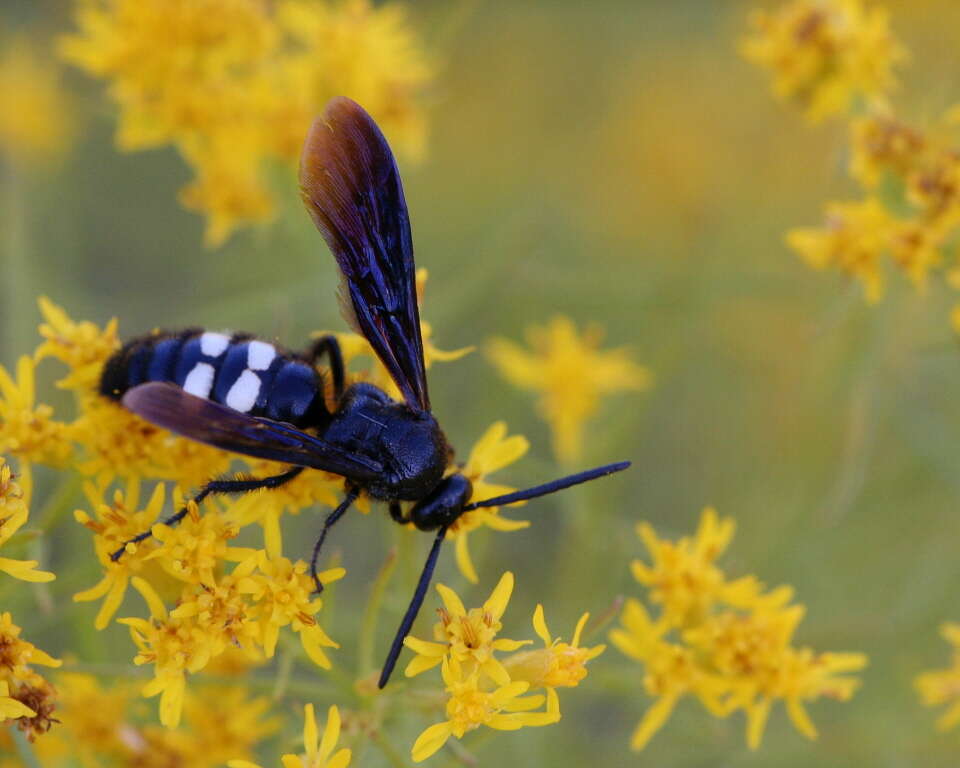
[351, 497]
[329, 346]
[217, 486]
[396, 514]
[408, 618]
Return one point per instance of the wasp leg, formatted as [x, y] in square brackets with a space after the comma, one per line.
[351, 497]
[396, 514]
[329, 346]
[216, 486]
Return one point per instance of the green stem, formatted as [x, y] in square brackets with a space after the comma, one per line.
[59, 502]
[390, 752]
[599, 622]
[25, 749]
[371, 614]
[15, 302]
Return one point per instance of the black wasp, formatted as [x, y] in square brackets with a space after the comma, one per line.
[247, 396]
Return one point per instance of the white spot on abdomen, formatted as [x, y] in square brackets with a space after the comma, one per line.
[260, 355]
[213, 344]
[243, 393]
[199, 381]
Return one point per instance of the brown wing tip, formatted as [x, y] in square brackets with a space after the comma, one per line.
[337, 119]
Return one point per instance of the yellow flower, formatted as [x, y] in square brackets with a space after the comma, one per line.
[726, 642]
[470, 706]
[24, 694]
[34, 119]
[492, 452]
[942, 686]
[234, 84]
[27, 430]
[283, 592]
[194, 550]
[117, 443]
[467, 637]
[570, 372]
[558, 664]
[853, 240]
[11, 708]
[13, 514]
[316, 755]
[114, 524]
[825, 54]
[83, 347]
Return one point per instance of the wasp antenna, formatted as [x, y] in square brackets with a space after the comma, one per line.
[413, 609]
[552, 487]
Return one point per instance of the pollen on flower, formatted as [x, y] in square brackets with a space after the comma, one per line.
[729, 643]
[571, 373]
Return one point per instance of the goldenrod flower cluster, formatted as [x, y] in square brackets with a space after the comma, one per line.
[836, 57]
[726, 642]
[482, 689]
[234, 84]
[570, 372]
[25, 696]
[825, 55]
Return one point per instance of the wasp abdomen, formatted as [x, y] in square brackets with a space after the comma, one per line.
[239, 371]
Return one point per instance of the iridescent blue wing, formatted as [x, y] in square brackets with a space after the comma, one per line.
[351, 186]
[166, 405]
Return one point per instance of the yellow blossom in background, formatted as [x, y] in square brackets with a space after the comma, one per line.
[35, 121]
[728, 643]
[235, 84]
[317, 754]
[825, 54]
[102, 724]
[836, 57]
[942, 686]
[570, 372]
[482, 689]
[853, 240]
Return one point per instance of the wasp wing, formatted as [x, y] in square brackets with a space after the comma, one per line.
[351, 186]
[166, 405]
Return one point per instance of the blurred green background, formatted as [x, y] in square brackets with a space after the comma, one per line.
[619, 163]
